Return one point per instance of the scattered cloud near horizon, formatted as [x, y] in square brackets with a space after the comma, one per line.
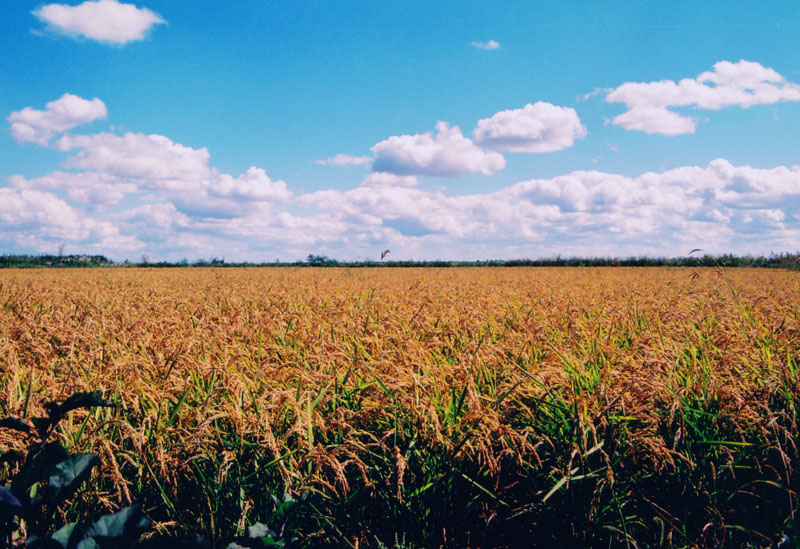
[741, 84]
[132, 193]
[107, 21]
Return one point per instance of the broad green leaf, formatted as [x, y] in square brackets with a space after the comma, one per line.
[10, 506]
[87, 543]
[38, 467]
[259, 530]
[7, 498]
[63, 535]
[127, 522]
[70, 473]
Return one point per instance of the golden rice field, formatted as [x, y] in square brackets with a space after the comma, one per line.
[463, 407]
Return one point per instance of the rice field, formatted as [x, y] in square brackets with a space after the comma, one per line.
[484, 407]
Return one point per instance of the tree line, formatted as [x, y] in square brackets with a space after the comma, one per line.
[782, 260]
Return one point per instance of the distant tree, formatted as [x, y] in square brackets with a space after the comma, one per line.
[320, 260]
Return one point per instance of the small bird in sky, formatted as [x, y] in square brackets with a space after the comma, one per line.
[385, 252]
[695, 250]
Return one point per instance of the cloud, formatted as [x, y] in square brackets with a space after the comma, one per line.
[41, 214]
[94, 189]
[134, 193]
[536, 128]
[449, 154]
[164, 163]
[154, 160]
[345, 160]
[59, 116]
[656, 120]
[741, 84]
[490, 45]
[385, 179]
[719, 207]
[110, 166]
[103, 169]
[417, 213]
[157, 222]
[106, 21]
[254, 185]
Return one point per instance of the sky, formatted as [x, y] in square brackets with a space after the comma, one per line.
[270, 130]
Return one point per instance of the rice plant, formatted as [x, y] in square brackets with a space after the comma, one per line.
[493, 407]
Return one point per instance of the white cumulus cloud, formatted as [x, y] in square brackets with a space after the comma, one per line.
[106, 21]
[59, 116]
[103, 169]
[656, 120]
[154, 159]
[254, 184]
[156, 163]
[719, 207]
[448, 154]
[536, 128]
[741, 84]
[41, 214]
[95, 189]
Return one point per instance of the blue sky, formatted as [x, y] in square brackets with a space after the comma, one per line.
[453, 130]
